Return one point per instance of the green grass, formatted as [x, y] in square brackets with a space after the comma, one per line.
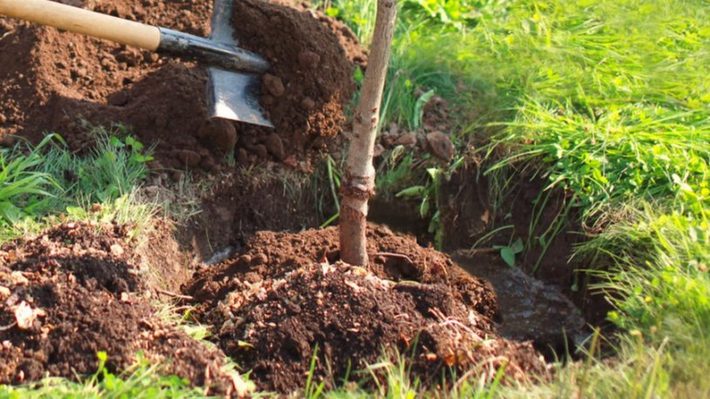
[140, 381]
[47, 183]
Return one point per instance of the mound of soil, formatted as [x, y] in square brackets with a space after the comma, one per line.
[74, 291]
[52, 81]
[287, 294]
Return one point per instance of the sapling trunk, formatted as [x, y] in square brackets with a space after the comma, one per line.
[359, 180]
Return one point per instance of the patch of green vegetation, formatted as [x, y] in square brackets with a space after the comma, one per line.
[43, 184]
[140, 381]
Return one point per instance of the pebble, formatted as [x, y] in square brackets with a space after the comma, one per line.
[407, 140]
[188, 157]
[440, 145]
[117, 250]
[4, 293]
[274, 85]
[275, 146]
[309, 59]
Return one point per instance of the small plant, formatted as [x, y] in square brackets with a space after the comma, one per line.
[509, 252]
[24, 188]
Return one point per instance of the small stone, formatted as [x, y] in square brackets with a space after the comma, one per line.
[242, 157]
[308, 104]
[275, 146]
[259, 259]
[440, 145]
[244, 259]
[117, 250]
[407, 140]
[3, 119]
[17, 278]
[219, 133]
[118, 99]
[188, 157]
[261, 151]
[274, 85]
[309, 59]
[4, 293]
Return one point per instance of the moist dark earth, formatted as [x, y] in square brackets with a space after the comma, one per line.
[287, 293]
[60, 82]
[78, 289]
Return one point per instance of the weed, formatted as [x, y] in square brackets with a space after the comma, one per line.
[24, 189]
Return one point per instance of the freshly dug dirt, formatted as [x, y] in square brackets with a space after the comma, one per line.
[52, 81]
[287, 294]
[74, 291]
[310, 79]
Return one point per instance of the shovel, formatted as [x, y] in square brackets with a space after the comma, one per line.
[233, 71]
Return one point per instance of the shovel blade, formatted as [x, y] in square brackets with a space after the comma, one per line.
[232, 95]
[235, 96]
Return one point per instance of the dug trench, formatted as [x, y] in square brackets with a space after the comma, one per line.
[271, 290]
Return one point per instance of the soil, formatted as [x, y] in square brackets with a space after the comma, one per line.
[529, 309]
[76, 290]
[239, 204]
[286, 294]
[467, 215]
[58, 82]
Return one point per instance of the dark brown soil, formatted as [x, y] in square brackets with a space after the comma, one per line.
[52, 81]
[82, 293]
[286, 294]
[467, 215]
[310, 79]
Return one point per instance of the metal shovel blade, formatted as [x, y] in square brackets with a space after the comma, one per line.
[232, 95]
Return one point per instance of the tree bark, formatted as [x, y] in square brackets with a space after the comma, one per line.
[359, 180]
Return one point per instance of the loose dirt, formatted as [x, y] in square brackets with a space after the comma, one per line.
[76, 290]
[286, 294]
[54, 81]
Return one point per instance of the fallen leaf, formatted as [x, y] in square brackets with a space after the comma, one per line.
[116, 250]
[25, 315]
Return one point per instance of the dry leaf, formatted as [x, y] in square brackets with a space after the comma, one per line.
[25, 315]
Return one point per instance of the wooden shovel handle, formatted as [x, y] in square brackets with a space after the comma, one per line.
[83, 21]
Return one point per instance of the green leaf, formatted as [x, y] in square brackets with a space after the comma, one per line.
[412, 192]
[419, 108]
[517, 246]
[508, 256]
[116, 142]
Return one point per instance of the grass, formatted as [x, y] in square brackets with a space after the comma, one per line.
[43, 184]
[140, 381]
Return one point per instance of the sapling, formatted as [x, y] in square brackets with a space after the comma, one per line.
[359, 180]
